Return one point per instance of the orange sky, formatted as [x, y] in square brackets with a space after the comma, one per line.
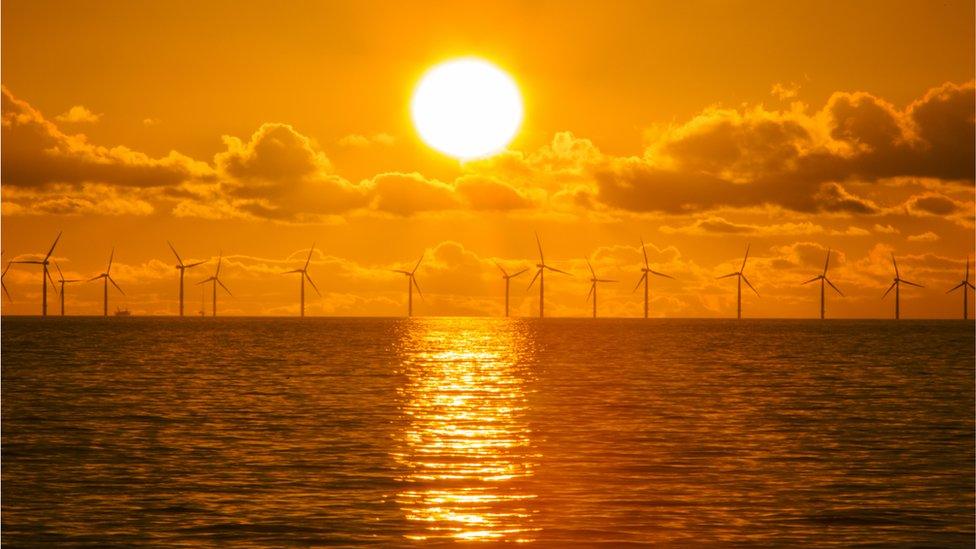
[258, 128]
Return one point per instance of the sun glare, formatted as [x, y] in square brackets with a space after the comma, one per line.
[467, 108]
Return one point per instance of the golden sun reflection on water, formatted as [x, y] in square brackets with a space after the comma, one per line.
[465, 446]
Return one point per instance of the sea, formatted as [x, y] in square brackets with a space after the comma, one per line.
[287, 432]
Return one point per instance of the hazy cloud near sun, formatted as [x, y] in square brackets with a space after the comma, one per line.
[78, 113]
[839, 160]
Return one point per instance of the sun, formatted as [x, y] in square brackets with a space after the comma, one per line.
[467, 108]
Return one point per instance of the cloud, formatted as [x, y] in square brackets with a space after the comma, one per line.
[933, 204]
[410, 193]
[885, 229]
[151, 121]
[361, 141]
[89, 199]
[78, 113]
[794, 159]
[927, 236]
[720, 226]
[785, 91]
[37, 154]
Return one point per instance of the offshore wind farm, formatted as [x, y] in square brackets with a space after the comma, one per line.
[677, 274]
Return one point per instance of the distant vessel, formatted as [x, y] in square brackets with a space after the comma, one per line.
[122, 312]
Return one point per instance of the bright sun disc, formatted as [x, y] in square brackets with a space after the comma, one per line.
[467, 108]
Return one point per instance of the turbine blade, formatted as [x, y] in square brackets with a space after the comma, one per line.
[967, 268]
[592, 272]
[912, 284]
[224, 287]
[220, 259]
[5, 292]
[500, 268]
[114, 284]
[51, 251]
[639, 280]
[96, 277]
[644, 250]
[745, 258]
[726, 276]
[518, 273]
[537, 273]
[556, 270]
[178, 259]
[194, 264]
[111, 256]
[401, 271]
[836, 289]
[310, 250]
[812, 280]
[205, 280]
[970, 284]
[56, 266]
[956, 287]
[660, 274]
[893, 284]
[292, 272]
[53, 285]
[313, 284]
[415, 267]
[746, 280]
[895, 263]
[415, 285]
[7, 268]
[827, 262]
[589, 293]
[605, 280]
[538, 243]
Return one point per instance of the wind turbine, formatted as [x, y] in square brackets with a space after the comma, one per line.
[5, 292]
[215, 279]
[742, 277]
[540, 274]
[106, 278]
[593, 282]
[966, 285]
[823, 278]
[304, 274]
[508, 278]
[46, 276]
[64, 281]
[411, 283]
[645, 277]
[898, 281]
[182, 267]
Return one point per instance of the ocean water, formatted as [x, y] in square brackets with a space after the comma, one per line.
[387, 432]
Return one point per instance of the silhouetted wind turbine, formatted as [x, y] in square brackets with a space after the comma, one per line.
[508, 278]
[645, 277]
[106, 278]
[182, 267]
[304, 274]
[216, 280]
[823, 278]
[540, 274]
[63, 281]
[5, 292]
[966, 285]
[411, 283]
[742, 277]
[898, 281]
[593, 282]
[46, 276]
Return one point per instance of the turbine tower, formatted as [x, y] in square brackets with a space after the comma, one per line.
[63, 281]
[898, 281]
[823, 278]
[966, 285]
[215, 279]
[508, 278]
[304, 274]
[540, 274]
[742, 277]
[46, 275]
[593, 282]
[182, 267]
[645, 278]
[106, 278]
[411, 283]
